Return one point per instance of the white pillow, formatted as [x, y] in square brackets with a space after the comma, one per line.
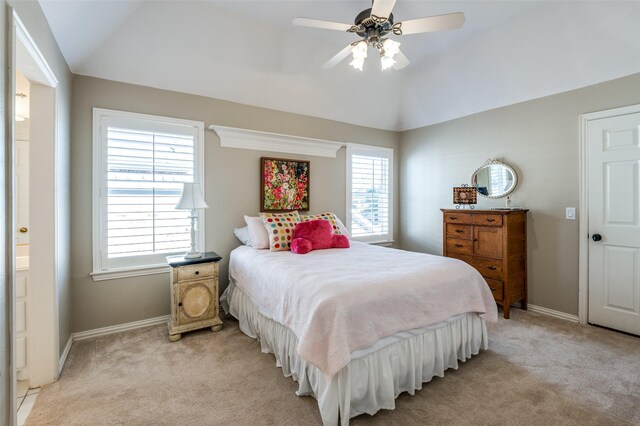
[258, 232]
[243, 235]
[341, 227]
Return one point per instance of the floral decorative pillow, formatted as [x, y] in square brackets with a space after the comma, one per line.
[328, 216]
[280, 228]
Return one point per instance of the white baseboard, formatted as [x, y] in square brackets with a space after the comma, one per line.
[553, 313]
[65, 353]
[82, 335]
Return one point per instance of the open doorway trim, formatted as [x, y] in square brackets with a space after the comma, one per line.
[47, 321]
[583, 258]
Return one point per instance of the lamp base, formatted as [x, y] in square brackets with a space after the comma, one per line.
[192, 255]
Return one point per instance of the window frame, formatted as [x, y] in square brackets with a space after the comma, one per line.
[101, 269]
[373, 151]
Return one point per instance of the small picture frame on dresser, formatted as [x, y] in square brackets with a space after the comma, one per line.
[465, 195]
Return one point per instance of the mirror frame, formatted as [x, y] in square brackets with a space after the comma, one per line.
[493, 161]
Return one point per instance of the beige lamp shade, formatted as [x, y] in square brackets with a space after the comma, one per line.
[191, 197]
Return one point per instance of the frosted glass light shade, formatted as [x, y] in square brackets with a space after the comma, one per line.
[191, 197]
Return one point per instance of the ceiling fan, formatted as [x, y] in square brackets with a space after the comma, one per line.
[373, 25]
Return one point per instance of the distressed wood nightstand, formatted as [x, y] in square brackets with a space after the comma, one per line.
[194, 294]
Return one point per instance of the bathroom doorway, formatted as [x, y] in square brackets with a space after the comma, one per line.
[36, 346]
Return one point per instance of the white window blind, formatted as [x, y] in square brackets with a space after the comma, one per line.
[369, 172]
[140, 165]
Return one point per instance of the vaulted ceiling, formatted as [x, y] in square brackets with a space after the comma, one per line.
[249, 52]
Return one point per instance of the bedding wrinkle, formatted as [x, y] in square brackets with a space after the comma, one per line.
[337, 301]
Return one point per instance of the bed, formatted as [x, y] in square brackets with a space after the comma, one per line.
[356, 327]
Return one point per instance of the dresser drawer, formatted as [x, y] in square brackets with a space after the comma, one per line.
[459, 246]
[487, 219]
[201, 270]
[457, 218]
[488, 268]
[496, 288]
[459, 231]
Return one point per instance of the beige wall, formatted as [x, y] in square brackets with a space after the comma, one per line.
[539, 139]
[231, 182]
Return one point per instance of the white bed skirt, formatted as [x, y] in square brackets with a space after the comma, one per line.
[376, 376]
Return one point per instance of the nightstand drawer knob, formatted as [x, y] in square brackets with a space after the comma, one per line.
[197, 272]
[492, 268]
[180, 304]
[490, 220]
[459, 231]
[453, 217]
[459, 245]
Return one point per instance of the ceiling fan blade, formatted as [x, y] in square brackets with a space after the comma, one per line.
[401, 61]
[316, 23]
[382, 8]
[339, 57]
[450, 21]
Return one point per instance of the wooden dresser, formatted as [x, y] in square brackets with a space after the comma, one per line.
[495, 243]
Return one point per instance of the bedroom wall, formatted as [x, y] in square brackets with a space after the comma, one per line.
[539, 138]
[231, 186]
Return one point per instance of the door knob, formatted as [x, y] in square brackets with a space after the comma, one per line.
[23, 229]
[596, 237]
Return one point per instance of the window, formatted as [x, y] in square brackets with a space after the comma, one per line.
[140, 162]
[369, 197]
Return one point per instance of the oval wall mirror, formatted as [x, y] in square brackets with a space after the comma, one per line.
[494, 179]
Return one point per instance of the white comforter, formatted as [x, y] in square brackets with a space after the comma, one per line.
[337, 301]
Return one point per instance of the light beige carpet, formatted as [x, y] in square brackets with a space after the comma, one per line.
[537, 371]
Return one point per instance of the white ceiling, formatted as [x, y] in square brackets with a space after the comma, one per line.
[249, 52]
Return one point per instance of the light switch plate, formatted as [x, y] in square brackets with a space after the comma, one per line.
[570, 213]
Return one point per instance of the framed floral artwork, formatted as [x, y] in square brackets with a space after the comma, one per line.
[284, 185]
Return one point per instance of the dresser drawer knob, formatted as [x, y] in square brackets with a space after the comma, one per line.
[453, 217]
[459, 245]
[491, 268]
[197, 272]
[490, 219]
[180, 304]
[459, 231]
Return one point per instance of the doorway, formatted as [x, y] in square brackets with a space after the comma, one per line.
[610, 220]
[33, 225]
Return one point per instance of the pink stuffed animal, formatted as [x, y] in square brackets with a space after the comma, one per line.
[316, 235]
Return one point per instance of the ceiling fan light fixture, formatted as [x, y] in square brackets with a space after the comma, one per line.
[373, 24]
[357, 63]
[359, 52]
[387, 62]
[390, 47]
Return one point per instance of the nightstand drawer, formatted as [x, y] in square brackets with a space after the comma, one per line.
[496, 288]
[459, 231]
[459, 246]
[197, 271]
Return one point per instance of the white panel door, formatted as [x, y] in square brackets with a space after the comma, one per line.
[614, 222]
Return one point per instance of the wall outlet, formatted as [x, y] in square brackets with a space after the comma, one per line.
[570, 213]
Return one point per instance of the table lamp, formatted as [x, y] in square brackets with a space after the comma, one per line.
[191, 200]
